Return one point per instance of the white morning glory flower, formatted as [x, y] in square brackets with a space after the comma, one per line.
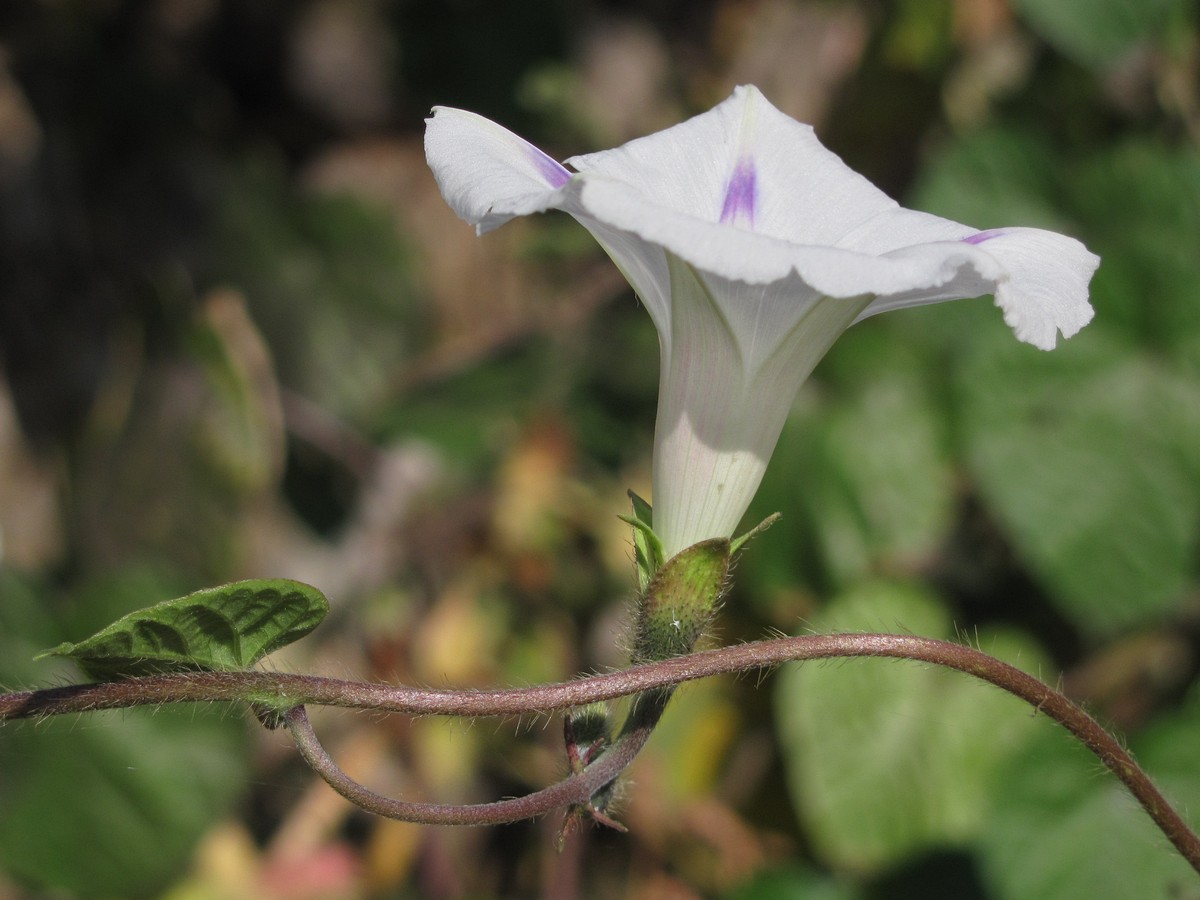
[752, 247]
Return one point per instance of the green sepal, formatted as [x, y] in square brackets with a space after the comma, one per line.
[736, 545]
[648, 549]
[681, 600]
[225, 628]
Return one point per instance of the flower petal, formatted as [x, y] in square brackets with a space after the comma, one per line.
[891, 229]
[756, 258]
[753, 248]
[803, 193]
[1046, 290]
[1040, 282]
[720, 414]
[487, 174]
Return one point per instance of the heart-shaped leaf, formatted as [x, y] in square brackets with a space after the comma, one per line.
[223, 628]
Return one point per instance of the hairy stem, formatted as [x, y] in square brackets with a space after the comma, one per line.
[283, 692]
[575, 789]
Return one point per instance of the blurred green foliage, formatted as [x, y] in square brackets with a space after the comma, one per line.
[890, 760]
[110, 804]
[1098, 32]
[241, 336]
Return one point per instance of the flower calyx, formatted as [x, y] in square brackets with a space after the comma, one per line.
[678, 605]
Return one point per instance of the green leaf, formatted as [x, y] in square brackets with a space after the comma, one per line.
[469, 414]
[223, 628]
[1088, 457]
[792, 882]
[994, 178]
[885, 758]
[109, 804]
[1065, 831]
[887, 493]
[642, 511]
[345, 258]
[113, 806]
[1097, 33]
[1141, 202]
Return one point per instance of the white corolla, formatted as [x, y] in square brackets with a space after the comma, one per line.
[752, 247]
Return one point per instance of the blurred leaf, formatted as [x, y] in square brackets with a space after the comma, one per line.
[1090, 455]
[920, 36]
[472, 415]
[227, 627]
[995, 178]
[885, 758]
[328, 281]
[885, 489]
[111, 806]
[1096, 33]
[791, 884]
[242, 431]
[613, 395]
[1137, 205]
[869, 470]
[25, 627]
[171, 476]
[107, 805]
[1141, 205]
[1062, 831]
[1089, 459]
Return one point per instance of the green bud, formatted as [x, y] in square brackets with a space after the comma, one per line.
[681, 600]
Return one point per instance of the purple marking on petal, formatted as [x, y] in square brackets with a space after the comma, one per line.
[550, 170]
[741, 194]
[982, 236]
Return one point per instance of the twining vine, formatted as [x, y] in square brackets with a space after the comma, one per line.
[280, 699]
